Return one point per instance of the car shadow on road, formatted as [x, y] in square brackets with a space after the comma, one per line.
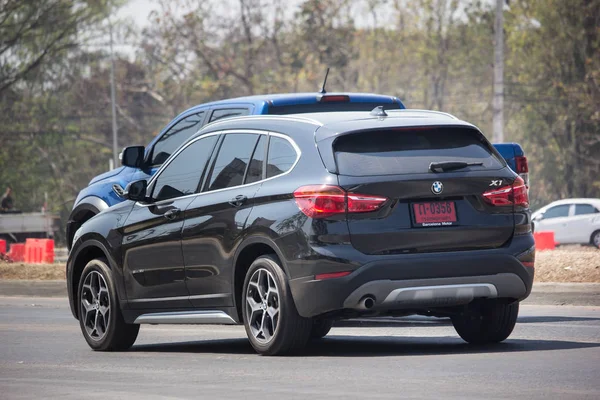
[371, 346]
[433, 321]
[537, 319]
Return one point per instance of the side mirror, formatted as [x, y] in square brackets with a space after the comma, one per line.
[136, 191]
[133, 156]
[538, 217]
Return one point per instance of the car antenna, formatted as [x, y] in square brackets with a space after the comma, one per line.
[379, 112]
[323, 91]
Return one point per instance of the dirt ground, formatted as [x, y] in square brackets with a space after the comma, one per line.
[31, 271]
[565, 264]
[568, 264]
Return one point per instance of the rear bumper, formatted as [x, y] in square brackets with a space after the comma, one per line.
[419, 281]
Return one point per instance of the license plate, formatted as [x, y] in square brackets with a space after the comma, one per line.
[438, 213]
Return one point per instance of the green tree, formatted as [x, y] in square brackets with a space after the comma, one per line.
[554, 81]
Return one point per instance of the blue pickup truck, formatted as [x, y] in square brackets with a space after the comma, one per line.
[140, 162]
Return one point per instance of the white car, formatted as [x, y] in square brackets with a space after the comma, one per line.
[573, 221]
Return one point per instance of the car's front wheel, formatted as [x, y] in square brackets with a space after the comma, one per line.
[100, 316]
[488, 321]
[272, 322]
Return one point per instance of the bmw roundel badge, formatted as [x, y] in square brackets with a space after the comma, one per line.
[437, 187]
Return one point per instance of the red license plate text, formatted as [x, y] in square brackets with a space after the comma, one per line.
[438, 213]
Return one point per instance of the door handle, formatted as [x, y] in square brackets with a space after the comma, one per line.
[172, 213]
[238, 200]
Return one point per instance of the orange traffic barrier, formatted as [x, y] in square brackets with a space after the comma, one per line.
[48, 251]
[30, 245]
[17, 252]
[2, 246]
[38, 251]
[544, 240]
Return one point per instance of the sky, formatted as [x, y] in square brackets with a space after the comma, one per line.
[139, 10]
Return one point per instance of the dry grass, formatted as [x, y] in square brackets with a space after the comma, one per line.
[566, 264]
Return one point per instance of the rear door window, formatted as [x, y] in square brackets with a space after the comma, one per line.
[228, 113]
[582, 209]
[557, 211]
[410, 151]
[231, 162]
[174, 137]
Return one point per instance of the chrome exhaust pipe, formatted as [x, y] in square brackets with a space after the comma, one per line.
[366, 303]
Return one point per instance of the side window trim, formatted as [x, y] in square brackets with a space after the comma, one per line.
[214, 155]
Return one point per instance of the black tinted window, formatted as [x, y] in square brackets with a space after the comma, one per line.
[281, 156]
[255, 169]
[581, 209]
[174, 137]
[182, 175]
[231, 161]
[558, 211]
[228, 113]
[405, 151]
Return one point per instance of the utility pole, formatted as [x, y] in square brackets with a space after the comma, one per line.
[112, 98]
[498, 100]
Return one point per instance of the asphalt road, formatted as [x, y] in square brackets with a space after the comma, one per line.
[554, 353]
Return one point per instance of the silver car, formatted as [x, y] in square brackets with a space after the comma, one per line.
[573, 221]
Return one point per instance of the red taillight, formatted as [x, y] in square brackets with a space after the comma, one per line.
[521, 195]
[332, 275]
[320, 201]
[516, 194]
[521, 162]
[334, 98]
[363, 203]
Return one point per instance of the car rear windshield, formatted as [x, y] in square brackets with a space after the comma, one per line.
[329, 107]
[410, 151]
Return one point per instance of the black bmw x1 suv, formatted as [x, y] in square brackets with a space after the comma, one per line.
[288, 223]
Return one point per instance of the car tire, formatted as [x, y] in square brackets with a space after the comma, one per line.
[100, 317]
[271, 319]
[320, 328]
[596, 239]
[490, 321]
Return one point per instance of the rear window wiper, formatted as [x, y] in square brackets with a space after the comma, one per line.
[444, 166]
